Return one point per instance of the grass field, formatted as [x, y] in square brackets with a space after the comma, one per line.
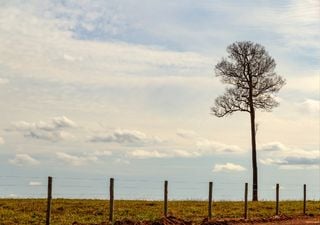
[66, 211]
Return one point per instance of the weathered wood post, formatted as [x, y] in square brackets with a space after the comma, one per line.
[246, 201]
[111, 200]
[210, 201]
[304, 199]
[49, 201]
[165, 206]
[277, 199]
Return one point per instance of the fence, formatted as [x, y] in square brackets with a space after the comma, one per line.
[211, 187]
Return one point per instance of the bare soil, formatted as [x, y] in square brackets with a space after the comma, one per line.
[294, 221]
[301, 220]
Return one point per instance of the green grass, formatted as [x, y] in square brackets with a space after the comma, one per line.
[66, 211]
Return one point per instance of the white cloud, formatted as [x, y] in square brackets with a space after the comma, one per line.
[269, 161]
[76, 160]
[185, 153]
[71, 58]
[206, 146]
[273, 146]
[228, 167]
[3, 81]
[276, 153]
[99, 153]
[187, 134]
[164, 153]
[298, 160]
[2, 141]
[299, 167]
[52, 125]
[295, 23]
[51, 130]
[49, 136]
[123, 136]
[89, 62]
[150, 144]
[13, 196]
[203, 147]
[121, 161]
[23, 160]
[283, 151]
[144, 154]
[292, 160]
[310, 106]
[35, 183]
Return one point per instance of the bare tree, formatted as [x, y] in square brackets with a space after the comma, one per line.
[249, 73]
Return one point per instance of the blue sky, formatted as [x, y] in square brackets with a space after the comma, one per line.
[96, 89]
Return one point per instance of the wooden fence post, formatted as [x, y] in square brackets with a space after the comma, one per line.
[49, 201]
[277, 199]
[210, 201]
[246, 201]
[304, 199]
[165, 209]
[111, 189]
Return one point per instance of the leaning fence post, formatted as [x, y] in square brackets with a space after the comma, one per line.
[304, 199]
[277, 199]
[49, 201]
[111, 189]
[246, 201]
[210, 200]
[165, 209]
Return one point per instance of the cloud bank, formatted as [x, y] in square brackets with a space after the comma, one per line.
[75, 160]
[206, 146]
[123, 136]
[35, 183]
[164, 153]
[23, 160]
[285, 157]
[53, 130]
[52, 125]
[310, 106]
[186, 134]
[1, 140]
[228, 167]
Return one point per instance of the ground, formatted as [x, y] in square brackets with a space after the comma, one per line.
[93, 212]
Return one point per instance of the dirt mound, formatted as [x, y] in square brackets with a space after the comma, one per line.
[171, 220]
[226, 221]
[77, 223]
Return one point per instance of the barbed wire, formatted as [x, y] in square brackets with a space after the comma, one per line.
[131, 188]
[125, 180]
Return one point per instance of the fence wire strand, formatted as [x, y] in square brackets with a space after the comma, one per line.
[97, 187]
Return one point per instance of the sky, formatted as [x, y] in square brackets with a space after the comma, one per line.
[96, 89]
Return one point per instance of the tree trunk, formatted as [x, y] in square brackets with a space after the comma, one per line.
[254, 156]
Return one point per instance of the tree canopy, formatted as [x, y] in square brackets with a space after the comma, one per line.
[249, 72]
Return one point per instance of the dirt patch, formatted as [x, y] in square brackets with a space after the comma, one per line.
[171, 220]
[283, 220]
[295, 221]
[245, 221]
